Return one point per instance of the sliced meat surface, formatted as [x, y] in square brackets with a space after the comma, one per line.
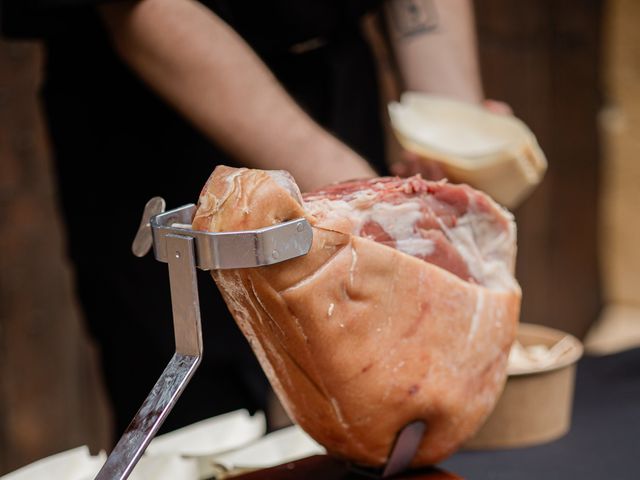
[452, 226]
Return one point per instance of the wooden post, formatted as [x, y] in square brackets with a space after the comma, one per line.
[543, 58]
[50, 396]
[619, 324]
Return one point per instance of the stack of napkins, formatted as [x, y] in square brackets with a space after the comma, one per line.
[215, 447]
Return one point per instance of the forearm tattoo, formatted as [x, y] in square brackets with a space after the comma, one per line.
[412, 17]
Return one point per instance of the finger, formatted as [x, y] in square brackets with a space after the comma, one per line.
[413, 166]
[496, 106]
[410, 157]
[435, 171]
[399, 169]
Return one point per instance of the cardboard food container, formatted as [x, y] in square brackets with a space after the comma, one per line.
[492, 152]
[536, 404]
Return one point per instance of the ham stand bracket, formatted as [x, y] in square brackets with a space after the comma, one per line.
[184, 250]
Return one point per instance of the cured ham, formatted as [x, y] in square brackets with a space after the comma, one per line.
[405, 308]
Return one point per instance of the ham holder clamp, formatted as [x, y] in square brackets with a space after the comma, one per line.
[184, 249]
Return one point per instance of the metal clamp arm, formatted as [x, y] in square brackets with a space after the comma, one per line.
[174, 379]
[184, 249]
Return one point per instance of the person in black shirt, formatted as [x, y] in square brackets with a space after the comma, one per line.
[145, 97]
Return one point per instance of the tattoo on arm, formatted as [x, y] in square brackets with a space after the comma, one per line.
[412, 17]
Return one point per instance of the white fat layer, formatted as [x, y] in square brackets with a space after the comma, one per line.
[352, 268]
[488, 251]
[286, 181]
[416, 247]
[398, 221]
[489, 255]
[475, 319]
[229, 186]
[210, 203]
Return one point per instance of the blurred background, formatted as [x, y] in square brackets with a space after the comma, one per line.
[570, 69]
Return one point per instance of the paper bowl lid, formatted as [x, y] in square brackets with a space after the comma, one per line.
[454, 128]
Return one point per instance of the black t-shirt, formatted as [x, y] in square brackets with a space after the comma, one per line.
[116, 144]
[268, 26]
[80, 56]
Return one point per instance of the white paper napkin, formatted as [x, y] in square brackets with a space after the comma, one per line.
[215, 435]
[177, 455]
[76, 464]
[285, 445]
[166, 467]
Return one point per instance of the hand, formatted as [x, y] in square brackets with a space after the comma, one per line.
[411, 163]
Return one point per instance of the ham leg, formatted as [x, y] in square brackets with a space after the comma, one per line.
[405, 308]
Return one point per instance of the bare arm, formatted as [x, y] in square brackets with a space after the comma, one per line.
[435, 46]
[201, 66]
[434, 43]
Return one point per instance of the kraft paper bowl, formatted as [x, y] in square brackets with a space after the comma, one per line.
[536, 404]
